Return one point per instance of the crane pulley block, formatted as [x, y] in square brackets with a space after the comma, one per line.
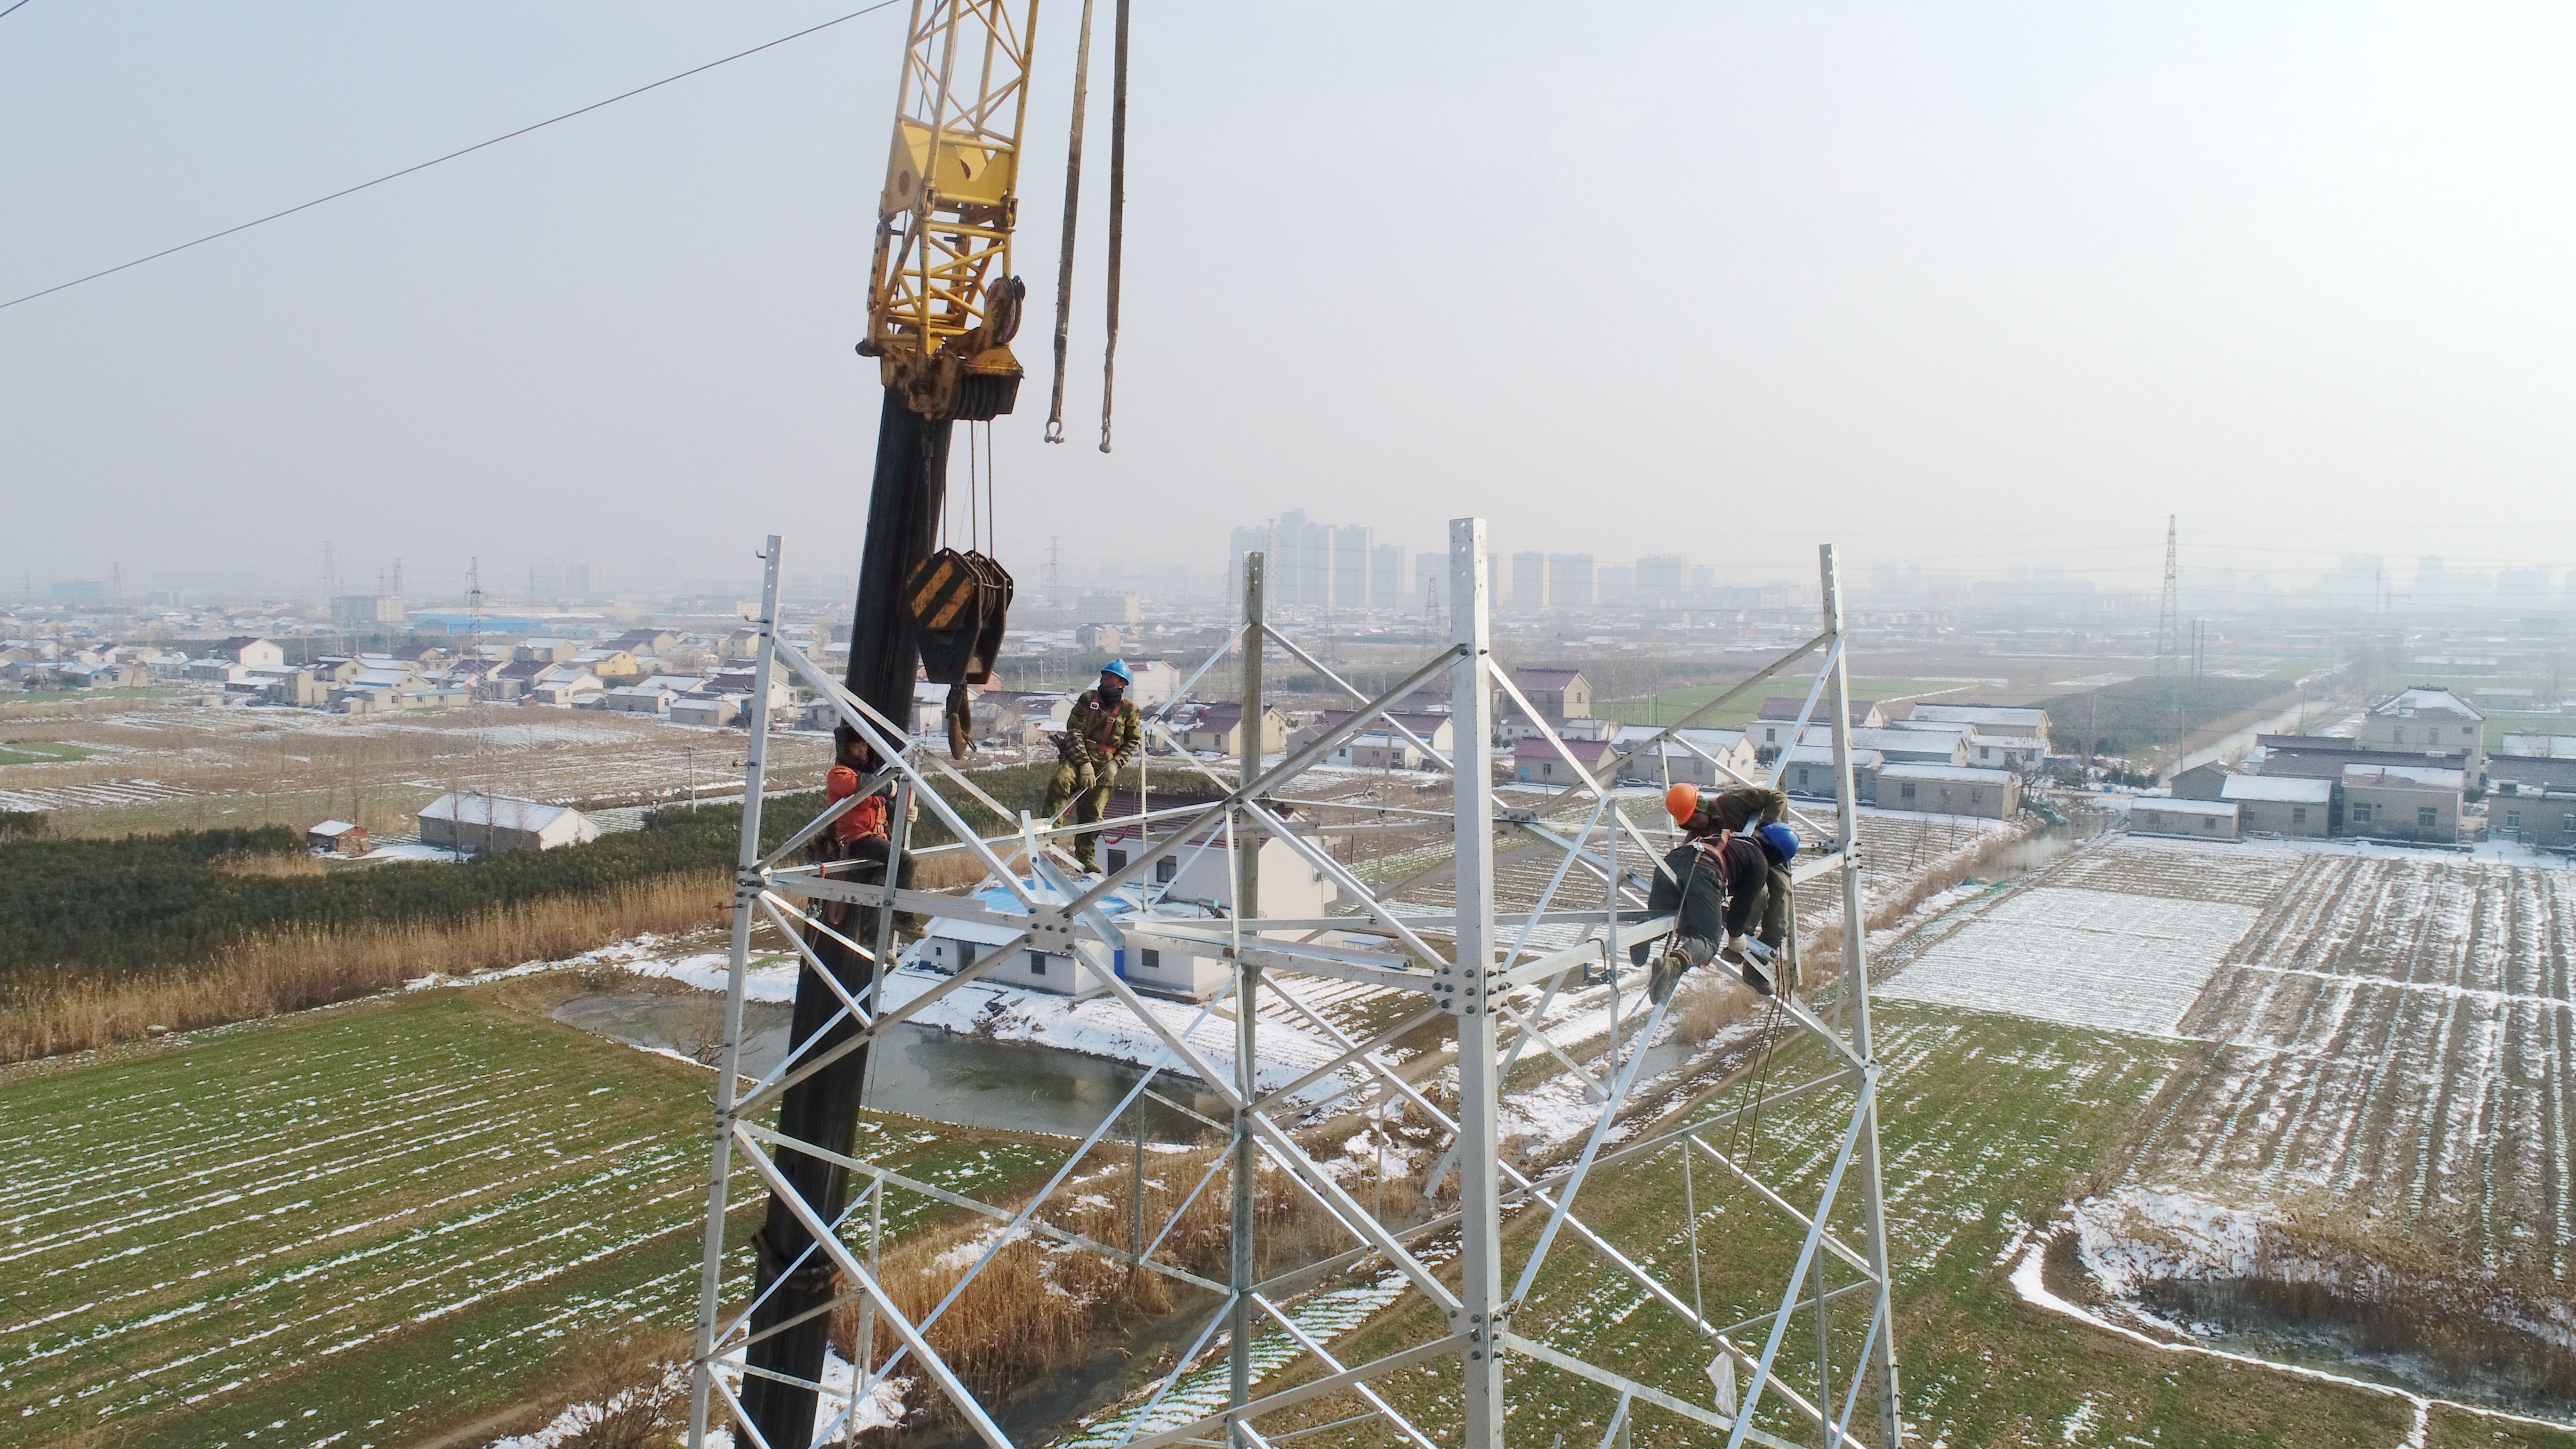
[960, 605]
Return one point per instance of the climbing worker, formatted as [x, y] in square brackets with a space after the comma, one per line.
[1694, 882]
[863, 832]
[1756, 865]
[1098, 739]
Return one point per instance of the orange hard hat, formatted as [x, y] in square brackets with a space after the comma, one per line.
[1681, 802]
[840, 783]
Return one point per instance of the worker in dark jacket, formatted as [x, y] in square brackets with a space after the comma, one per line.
[1101, 735]
[1694, 884]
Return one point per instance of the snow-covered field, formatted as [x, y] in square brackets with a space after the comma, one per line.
[2082, 957]
[2387, 1034]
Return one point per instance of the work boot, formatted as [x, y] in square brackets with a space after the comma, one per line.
[1664, 974]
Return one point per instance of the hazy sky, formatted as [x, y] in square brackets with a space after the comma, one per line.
[1962, 285]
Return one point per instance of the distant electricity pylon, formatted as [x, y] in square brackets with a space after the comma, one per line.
[2169, 664]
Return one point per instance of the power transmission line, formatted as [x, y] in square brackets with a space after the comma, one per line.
[14, 9]
[450, 156]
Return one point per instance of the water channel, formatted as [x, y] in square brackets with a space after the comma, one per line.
[922, 1071]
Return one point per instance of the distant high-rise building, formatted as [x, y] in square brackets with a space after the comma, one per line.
[1529, 581]
[1386, 576]
[1570, 581]
[1350, 567]
[1661, 578]
[1315, 563]
[1285, 579]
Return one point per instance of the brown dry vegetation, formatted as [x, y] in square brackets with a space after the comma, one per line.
[2398, 1293]
[268, 972]
[1036, 1309]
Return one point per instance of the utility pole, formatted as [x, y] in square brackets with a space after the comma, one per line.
[1243, 1265]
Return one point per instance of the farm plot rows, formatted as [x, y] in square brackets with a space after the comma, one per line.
[1985, 1120]
[2396, 1032]
[347, 1227]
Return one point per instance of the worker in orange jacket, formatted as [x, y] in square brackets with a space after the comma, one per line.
[1721, 880]
[863, 833]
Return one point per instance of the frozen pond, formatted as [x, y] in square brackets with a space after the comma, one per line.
[924, 1071]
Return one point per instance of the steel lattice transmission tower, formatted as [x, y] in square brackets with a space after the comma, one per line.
[1796, 1349]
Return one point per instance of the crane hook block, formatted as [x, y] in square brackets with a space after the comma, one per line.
[960, 605]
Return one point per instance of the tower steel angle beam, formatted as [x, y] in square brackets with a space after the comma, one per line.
[831, 1254]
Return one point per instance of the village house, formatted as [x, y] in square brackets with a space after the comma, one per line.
[2198, 819]
[1809, 771]
[613, 666]
[1685, 757]
[2416, 803]
[2533, 800]
[546, 651]
[250, 651]
[1949, 790]
[644, 643]
[1219, 729]
[648, 696]
[2280, 805]
[1994, 719]
[1779, 715]
[1900, 747]
[1555, 693]
[1536, 762]
[2423, 717]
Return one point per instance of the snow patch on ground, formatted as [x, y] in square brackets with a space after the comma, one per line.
[2080, 957]
[2138, 1235]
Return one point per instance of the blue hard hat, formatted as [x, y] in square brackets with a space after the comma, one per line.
[1782, 840]
[1119, 668]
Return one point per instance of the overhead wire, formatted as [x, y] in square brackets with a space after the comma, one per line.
[450, 156]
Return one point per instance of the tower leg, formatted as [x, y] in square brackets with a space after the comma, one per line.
[1480, 1252]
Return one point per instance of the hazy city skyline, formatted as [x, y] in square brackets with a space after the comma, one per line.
[2001, 286]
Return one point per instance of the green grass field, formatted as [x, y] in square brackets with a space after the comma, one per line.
[40, 752]
[1672, 704]
[1988, 1123]
[358, 1225]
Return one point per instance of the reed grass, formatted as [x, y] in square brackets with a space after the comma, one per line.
[1039, 1308]
[264, 972]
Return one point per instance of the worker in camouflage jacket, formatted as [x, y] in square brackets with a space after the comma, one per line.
[1098, 739]
[1730, 872]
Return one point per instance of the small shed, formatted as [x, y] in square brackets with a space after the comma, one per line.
[474, 822]
[338, 837]
[2199, 819]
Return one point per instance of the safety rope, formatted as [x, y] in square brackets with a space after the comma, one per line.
[1117, 212]
[1072, 211]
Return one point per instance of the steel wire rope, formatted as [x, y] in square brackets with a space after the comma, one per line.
[1117, 213]
[450, 156]
[14, 9]
[1072, 213]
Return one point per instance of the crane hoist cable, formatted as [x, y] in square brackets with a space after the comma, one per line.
[1117, 212]
[1072, 213]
